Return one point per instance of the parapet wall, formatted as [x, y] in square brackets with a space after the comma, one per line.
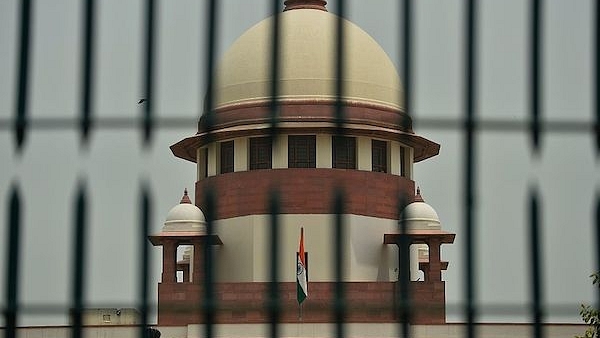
[245, 303]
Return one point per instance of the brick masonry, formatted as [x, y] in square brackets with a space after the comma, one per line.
[239, 303]
[303, 191]
[306, 191]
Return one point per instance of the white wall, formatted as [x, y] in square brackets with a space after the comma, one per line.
[311, 330]
[213, 158]
[240, 153]
[280, 152]
[324, 145]
[364, 160]
[245, 254]
[201, 158]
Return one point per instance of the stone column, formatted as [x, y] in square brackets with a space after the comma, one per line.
[169, 274]
[186, 274]
[404, 270]
[435, 264]
[198, 264]
[414, 262]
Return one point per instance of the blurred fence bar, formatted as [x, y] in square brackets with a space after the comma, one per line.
[21, 121]
[404, 295]
[87, 71]
[78, 258]
[13, 245]
[536, 263]
[149, 59]
[144, 252]
[536, 72]
[469, 173]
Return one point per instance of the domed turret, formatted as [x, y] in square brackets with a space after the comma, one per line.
[420, 215]
[185, 216]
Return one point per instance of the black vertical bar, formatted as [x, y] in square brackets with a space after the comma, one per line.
[274, 304]
[338, 204]
[407, 61]
[12, 267]
[209, 300]
[275, 64]
[404, 297]
[597, 79]
[469, 169]
[536, 66]
[207, 119]
[597, 245]
[78, 256]
[147, 120]
[144, 254]
[404, 303]
[536, 269]
[338, 235]
[87, 71]
[340, 65]
[22, 91]
[209, 305]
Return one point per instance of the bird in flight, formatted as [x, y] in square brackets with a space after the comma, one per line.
[141, 101]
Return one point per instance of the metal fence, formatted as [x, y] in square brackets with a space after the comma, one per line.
[21, 125]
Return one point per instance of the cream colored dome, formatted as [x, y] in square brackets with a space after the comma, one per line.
[185, 213]
[307, 64]
[185, 217]
[420, 215]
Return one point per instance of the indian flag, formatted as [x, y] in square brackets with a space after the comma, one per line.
[301, 280]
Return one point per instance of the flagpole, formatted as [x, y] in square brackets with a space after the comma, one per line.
[301, 278]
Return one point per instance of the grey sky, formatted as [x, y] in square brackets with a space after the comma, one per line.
[114, 166]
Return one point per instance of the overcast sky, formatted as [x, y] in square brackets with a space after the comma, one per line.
[115, 164]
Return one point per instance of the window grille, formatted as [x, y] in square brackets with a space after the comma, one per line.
[227, 157]
[260, 153]
[379, 156]
[302, 151]
[344, 152]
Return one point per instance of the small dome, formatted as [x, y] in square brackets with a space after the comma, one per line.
[185, 217]
[308, 66]
[420, 215]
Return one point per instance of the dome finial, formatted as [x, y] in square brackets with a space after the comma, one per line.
[185, 199]
[418, 197]
[306, 4]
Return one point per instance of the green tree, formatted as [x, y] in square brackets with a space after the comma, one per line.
[590, 315]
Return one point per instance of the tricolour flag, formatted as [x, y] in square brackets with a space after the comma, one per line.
[301, 279]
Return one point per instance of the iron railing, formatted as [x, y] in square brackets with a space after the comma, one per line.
[22, 124]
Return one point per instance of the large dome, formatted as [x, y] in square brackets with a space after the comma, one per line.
[308, 71]
[306, 86]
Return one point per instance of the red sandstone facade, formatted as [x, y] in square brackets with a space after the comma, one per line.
[180, 303]
[306, 191]
[302, 192]
[237, 303]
